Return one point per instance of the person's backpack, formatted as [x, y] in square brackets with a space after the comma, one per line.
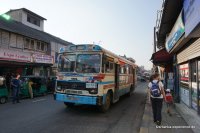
[155, 90]
[168, 97]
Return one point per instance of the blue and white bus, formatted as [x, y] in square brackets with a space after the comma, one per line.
[89, 74]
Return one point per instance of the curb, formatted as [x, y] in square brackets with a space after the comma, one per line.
[145, 119]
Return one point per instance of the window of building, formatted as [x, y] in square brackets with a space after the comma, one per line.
[33, 20]
[45, 47]
[38, 45]
[42, 46]
[20, 41]
[27, 42]
[13, 40]
[5, 38]
[32, 46]
[28, 19]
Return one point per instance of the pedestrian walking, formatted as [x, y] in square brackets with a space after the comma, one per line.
[169, 101]
[15, 83]
[156, 94]
[30, 83]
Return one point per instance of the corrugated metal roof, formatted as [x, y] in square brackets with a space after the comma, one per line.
[19, 28]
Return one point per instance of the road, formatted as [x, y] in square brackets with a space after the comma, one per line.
[44, 115]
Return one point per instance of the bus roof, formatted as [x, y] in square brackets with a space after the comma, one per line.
[94, 48]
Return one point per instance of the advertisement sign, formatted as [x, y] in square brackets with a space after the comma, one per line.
[40, 58]
[175, 34]
[191, 15]
[11, 55]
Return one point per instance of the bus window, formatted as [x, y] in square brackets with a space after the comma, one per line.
[127, 70]
[108, 65]
[112, 70]
[66, 63]
[121, 69]
[88, 63]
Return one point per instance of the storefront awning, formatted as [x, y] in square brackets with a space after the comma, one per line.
[161, 58]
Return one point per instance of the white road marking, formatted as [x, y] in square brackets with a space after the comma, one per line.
[39, 100]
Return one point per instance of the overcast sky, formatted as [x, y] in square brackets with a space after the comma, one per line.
[121, 26]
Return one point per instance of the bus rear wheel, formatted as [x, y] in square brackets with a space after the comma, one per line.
[70, 105]
[106, 106]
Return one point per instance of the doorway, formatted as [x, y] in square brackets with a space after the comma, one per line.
[116, 93]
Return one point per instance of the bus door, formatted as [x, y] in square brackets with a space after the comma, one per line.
[116, 93]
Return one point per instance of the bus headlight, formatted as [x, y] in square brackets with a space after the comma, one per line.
[93, 90]
[58, 88]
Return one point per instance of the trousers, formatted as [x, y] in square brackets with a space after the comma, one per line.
[157, 108]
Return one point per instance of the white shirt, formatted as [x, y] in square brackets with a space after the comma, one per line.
[160, 84]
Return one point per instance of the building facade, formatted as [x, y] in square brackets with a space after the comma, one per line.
[178, 33]
[24, 46]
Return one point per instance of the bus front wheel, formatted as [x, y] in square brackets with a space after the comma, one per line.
[106, 105]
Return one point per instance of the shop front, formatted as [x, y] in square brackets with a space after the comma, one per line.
[14, 61]
[43, 64]
[189, 71]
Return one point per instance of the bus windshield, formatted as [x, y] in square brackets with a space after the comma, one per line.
[66, 63]
[88, 63]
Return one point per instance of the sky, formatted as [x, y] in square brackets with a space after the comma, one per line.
[124, 27]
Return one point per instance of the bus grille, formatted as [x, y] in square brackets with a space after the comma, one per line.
[70, 85]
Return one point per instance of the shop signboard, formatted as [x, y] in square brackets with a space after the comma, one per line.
[184, 83]
[191, 17]
[11, 55]
[175, 34]
[41, 58]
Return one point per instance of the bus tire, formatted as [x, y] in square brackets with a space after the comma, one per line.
[69, 105]
[3, 100]
[103, 108]
[130, 91]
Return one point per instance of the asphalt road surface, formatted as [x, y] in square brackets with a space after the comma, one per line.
[44, 115]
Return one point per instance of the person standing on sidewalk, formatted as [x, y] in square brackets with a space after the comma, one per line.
[169, 101]
[156, 94]
[15, 83]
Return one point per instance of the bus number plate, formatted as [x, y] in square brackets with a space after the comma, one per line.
[90, 85]
[72, 98]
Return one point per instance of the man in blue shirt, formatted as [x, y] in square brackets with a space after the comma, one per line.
[15, 83]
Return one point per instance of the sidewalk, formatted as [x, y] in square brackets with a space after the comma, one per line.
[170, 124]
[189, 115]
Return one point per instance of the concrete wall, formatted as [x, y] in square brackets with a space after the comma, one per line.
[16, 42]
[24, 21]
[21, 16]
[16, 15]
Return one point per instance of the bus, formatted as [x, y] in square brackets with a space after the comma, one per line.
[89, 74]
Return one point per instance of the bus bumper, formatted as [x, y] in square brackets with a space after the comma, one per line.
[89, 100]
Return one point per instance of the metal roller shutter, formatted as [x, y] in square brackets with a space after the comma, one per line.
[190, 52]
